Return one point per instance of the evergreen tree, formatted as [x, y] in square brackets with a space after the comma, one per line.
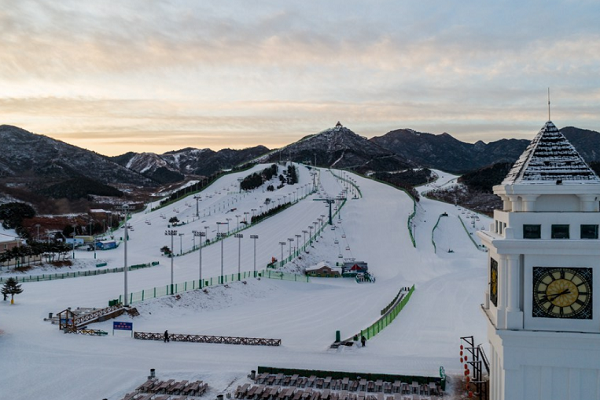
[11, 287]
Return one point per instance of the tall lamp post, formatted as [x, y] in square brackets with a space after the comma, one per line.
[200, 235]
[281, 244]
[237, 222]
[172, 233]
[310, 228]
[316, 231]
[297, 246]
[304, 232]
[228, 219]
[124, 207]
[290, 240]
[221, 236]
[254, 237]
[239, 237]
[197, 198]
[180, 244]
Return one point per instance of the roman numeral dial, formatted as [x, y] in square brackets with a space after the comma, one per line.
[562, 292]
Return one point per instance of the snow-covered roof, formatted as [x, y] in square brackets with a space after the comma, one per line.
[550, 159]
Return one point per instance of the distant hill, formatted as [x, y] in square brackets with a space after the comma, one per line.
[339, 147]
[40, 161]
[173, 166]
[449, 154]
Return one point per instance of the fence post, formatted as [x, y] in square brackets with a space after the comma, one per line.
[143, 290]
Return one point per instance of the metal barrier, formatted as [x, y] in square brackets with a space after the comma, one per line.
[178, 337]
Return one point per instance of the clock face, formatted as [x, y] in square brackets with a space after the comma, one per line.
[562, 292]
[494, 281]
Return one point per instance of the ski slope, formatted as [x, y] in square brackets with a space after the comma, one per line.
[38, 361]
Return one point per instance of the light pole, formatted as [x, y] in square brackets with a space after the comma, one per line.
[282, 244]
[253, 213]
[297, 248]
[228, 219]
[206, 231]
[310, 228]
[290, 240]
[304, 232]
[254, 237]
[316, 231]
[200, 236]
[197, 198]
[171, 233]
[239, 236]
[237, 222]
[180, 244]
[124, 207]
[222, 237]
[246, 217]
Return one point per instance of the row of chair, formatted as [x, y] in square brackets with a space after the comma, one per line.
[264, 392]
[153, 387]
[358, 385]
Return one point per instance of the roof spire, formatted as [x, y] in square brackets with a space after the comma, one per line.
[549, 119]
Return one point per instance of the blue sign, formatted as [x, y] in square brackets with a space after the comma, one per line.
[123, 326]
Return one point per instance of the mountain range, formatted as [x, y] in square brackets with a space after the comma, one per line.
[35, 162]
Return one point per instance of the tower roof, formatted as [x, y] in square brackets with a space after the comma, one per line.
[550, 159]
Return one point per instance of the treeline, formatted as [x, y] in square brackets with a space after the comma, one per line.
[256, 179]
[80, 188]
[268, 213]
[35, 249]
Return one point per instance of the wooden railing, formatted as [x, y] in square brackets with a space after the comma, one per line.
[95, 315]
[178, 337]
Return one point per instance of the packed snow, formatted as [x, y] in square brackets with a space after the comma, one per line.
[39, 361]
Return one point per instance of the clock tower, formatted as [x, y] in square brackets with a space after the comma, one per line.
[542, 302]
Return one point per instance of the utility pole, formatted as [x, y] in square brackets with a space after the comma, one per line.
[290, 240]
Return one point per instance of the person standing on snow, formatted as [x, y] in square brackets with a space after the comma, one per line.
[166, 336]
[363, 341]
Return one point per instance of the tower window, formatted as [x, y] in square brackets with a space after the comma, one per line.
[532, 231]
[560, 231]
[589, 231]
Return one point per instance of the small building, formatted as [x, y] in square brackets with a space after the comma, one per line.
[350, 269]
[322, 270]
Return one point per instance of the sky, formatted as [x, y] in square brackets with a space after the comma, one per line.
[163, 75]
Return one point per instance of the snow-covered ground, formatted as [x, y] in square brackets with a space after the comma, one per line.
[38, 361]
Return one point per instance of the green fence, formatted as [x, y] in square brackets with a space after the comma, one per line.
[386, 319]
[469, 234]
[188, 286]
[52, 277]
[433, 230]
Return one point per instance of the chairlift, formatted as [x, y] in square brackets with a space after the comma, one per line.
[348, 248]
[336, 241]
[340, 256]
[344, 236]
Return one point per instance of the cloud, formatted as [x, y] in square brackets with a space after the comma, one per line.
[272, 72]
